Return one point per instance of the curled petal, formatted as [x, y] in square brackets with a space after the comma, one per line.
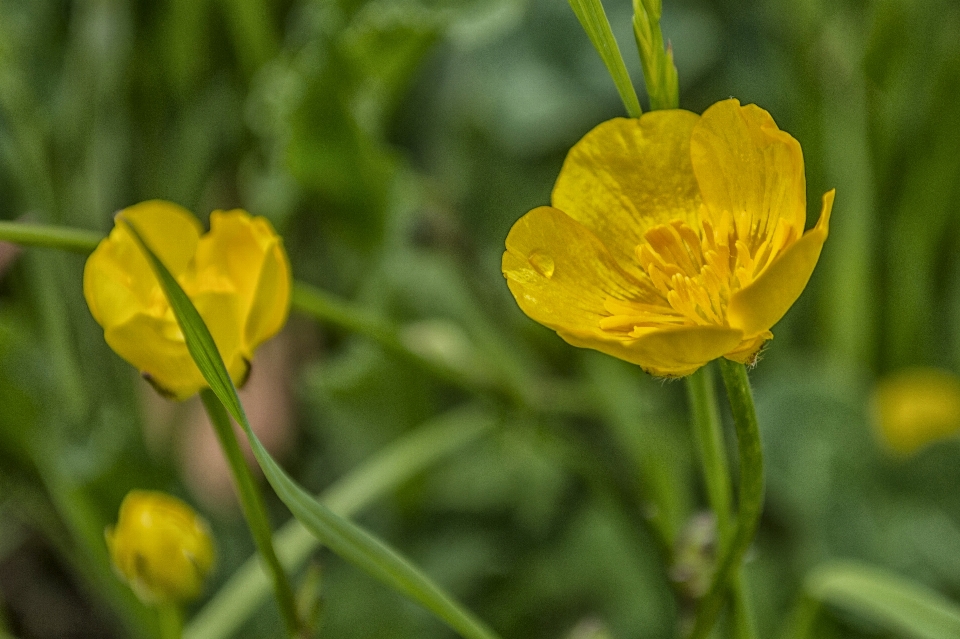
[666, 352]
[757, 307]
[746, 166]
[629, 175]
[246, 253]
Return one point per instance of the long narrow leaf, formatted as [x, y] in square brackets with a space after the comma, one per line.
[897, 604]
[429, 444]
[594, 21]
[343, 537]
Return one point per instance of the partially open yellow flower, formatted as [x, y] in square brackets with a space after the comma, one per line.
[673, 239]
[915, 407]
[160, 547]
[237, 276]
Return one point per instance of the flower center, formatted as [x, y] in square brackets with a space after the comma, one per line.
[696, 271]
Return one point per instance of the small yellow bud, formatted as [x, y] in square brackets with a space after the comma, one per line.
[916, 407]
[160, 547]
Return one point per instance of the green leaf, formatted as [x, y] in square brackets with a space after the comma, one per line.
[595, 23]
[897, 604]
[343, 537]
[442, 436]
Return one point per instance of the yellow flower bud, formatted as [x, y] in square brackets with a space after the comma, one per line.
[160, 547]
[237, 276]
[916, 407]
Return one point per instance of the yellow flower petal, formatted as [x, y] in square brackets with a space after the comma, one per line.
[749, 168]
[246, 252]
[667, 352]
[746, 352]
[628, 175]
[760, 305]
[560, 273]
[155, 345]
[117, 277]
[916, 407]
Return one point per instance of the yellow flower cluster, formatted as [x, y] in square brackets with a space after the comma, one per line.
[237, 276]
[672, 239]
[160, 547]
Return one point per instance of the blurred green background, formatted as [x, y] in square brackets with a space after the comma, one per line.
[393, 143]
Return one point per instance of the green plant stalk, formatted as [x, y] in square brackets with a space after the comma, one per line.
[413, 453]
[253, 509]
[594, 21]
[803, 618]
[751, 491]
[659, 70]
[49, 236]
[708, 433]
[340, 535]
[170, 620]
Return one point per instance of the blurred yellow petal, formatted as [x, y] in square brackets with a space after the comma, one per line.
[916, 407]
[246, 252]
[155, 345]
[747, 167]
[161, 547]
[171, 231]
[667, 352]
[117, 277]
[760, 305]
[560, 273]
[628, 175]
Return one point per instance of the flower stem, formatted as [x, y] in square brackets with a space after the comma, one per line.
[170, 620]
[750, 496]
[58, 237]
[253, 508]
[242, 594]
[709, 437]
[708, 433]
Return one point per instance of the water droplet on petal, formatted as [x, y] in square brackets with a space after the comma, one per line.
[541, 263]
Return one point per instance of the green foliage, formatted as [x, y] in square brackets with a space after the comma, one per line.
[393, 143]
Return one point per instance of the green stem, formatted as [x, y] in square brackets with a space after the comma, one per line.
[58, 237]
[803, 618]
[253, 508]
[170, 621]
[412, 454]
[750, 495]
[708, 433]
[594, 21]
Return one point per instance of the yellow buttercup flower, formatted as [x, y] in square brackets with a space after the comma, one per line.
[237, 276]
[160, 547]
[916, 407]
[672, 239]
